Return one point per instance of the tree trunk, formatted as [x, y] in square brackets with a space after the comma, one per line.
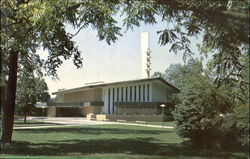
[1, 98]
[9, 106]
[1, 90]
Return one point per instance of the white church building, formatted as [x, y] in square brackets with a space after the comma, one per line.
[132, 97]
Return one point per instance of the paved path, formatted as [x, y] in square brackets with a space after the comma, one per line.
[77, 121]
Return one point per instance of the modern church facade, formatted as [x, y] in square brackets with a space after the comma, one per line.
[133, 97]
[142, 96]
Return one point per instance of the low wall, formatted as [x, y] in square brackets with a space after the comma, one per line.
[130, 117]
[101, 117]
[138, 111]
[91, 109]
[91, 116]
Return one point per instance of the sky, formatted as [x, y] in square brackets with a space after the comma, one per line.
[116, 62]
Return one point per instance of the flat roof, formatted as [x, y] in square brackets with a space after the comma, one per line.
[87, 87]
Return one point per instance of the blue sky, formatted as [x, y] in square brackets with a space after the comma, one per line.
[116, 62]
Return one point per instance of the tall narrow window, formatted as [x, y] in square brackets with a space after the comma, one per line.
[109, 101]
[113, 103]
[130, 93]
[117, 92]
[143, 92]
[139, 92]
[126, 94]
[148, 91]
[122, 94]
[135, 93]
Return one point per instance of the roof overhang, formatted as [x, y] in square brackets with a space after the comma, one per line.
[151, 79]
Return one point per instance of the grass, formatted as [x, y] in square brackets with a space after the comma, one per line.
[108, 141]
[165, 123]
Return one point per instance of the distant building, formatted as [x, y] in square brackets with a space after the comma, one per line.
[142, 96]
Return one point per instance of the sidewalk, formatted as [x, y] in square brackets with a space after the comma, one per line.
[66, 122]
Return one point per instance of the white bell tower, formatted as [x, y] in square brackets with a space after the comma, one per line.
[145, 56]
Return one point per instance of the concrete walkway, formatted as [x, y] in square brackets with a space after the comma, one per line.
[79, 121]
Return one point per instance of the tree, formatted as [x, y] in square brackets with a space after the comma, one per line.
[176, 73]
[209, 112]
[201, 101]
[30, 89]
[26, 25]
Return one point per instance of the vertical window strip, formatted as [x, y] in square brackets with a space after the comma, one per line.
[148, 91]
[109, 101]
[143, 91]
[130, 93]
[126, 94]
[117, 92]
[135, 93]
[122, 94]
[113, 104]
[139, 93]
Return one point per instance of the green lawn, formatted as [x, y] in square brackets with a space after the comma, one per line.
[107, 141]
[165, 123]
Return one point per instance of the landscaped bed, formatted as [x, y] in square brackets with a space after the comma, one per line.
[108, 141]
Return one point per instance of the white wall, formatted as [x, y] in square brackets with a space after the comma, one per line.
[135, 95]
[153, 92]
[159, 93]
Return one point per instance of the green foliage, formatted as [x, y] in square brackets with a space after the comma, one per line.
[177, 73]
[30, 89]
[211, 113]
[207, 18]
[232, 129]
[201, 101]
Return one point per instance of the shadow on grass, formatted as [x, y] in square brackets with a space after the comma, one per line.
[93, 131]
[139, 146]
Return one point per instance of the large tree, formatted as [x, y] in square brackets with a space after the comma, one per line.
[29, 24]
